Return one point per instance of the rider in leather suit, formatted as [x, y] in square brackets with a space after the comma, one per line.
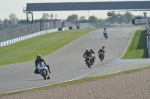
[93, 53]
[39, 59]
[105, 31]
[101, 50]
[87, 54]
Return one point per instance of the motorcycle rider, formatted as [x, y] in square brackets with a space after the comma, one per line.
[93, 56]
[105, 31]
[86, 55]
[38, 60]
[103, 48]
[101, 51]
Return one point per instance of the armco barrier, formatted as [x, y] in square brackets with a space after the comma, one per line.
[72, 27]
[60, 29]
[8, 42]
[4, 43]
[148, 45]
[148, 38]
[147, 42]
[63, 28]
[78, 27]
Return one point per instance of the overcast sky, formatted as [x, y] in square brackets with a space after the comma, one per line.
[16, 6]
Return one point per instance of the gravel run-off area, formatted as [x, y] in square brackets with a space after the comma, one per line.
[125, 86]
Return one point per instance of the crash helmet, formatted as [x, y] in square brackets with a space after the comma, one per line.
[38, 57]
[87, 50]
[91, 49]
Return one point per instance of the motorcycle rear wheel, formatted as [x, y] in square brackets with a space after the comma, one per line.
[89, 65]
[44, 75]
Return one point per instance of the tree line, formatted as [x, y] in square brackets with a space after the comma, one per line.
[115, 17]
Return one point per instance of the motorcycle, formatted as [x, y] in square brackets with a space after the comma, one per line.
[43, 70]
[93, 58]
[101, 56]
[106, 35]
[89, 61]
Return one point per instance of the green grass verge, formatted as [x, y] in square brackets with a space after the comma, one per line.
[75, 81]
[137, 47]
[44, 45]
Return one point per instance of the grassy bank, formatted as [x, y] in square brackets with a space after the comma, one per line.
[44, 45]
[137, 47]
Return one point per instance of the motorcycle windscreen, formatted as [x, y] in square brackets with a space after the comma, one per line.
[41, 65]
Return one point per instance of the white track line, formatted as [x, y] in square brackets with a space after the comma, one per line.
[50, 54]
[78, 76]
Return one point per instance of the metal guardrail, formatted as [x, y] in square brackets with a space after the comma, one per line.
[17, 39]
[12, 32]
[148, 38]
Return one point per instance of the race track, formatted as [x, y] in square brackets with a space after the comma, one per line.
[68, 63]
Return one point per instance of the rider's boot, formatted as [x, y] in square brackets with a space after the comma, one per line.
[49, 71]
[103, 57]
[85, 61]
[48, 77]
[93, 60]
[48, 68]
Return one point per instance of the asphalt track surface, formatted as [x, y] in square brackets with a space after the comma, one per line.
[68, 63]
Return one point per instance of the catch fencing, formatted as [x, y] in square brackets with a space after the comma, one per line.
[148, 38]
[12, 34]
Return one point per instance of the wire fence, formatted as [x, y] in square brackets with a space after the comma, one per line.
[11, 32]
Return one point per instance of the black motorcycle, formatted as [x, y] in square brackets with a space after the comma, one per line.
[89, 61]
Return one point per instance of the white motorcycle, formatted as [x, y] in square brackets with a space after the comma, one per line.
[93, 58]
[43, 70]
[105, 35]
